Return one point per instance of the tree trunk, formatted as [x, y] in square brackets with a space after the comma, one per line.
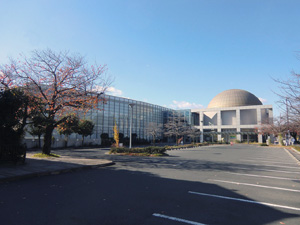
[39, 136]
[47, 140]
[280, 141]
[66, 140]
[82, 141]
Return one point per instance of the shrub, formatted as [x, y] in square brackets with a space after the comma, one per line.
[186, 146]
[264, 144]
[151, 150]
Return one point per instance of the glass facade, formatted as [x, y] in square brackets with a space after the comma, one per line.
[117, 110]
[186, 114]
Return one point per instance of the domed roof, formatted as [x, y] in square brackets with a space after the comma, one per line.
[232, 98]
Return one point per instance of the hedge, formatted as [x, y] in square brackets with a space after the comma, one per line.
[186, 146]
[147, 150]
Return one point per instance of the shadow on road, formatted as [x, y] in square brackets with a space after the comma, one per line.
[116, 196]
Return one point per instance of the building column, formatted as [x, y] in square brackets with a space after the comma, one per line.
[270, 112]
[219, 124]
[238, 124]
[270, 115]
[260, 139]
[201, 122]
[258, 116]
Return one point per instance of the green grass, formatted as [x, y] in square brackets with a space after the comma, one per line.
[143, 154]
[42, 155]
[297, 148]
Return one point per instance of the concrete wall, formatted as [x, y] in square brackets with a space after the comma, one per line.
[210, 118]
[248, 117]
[243, 117]
[228, 117]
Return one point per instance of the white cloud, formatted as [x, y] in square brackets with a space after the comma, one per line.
[263, 100]
[110, 91]
[185, 105]
[114, 91]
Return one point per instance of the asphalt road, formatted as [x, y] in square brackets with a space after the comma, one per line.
[237, 184]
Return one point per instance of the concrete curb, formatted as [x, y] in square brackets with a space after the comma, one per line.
[296, 151]
[53, 172]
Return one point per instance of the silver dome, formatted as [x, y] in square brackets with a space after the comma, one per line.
[233, 98]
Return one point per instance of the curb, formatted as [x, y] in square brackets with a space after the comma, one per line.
[296, 151]
[53, 172]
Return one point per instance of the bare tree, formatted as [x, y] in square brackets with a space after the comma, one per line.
[62, 82]
[193, 133]
[154, 129]
[290, 96]
[176, 126]
[277, 127]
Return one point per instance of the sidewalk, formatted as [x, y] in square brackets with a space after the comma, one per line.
[35, 167]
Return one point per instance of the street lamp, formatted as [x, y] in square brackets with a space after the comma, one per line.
[130, 137]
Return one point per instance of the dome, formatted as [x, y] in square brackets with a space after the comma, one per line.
[232, 98]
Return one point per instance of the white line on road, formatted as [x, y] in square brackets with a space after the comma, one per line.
[278, 171]
[177, 219]
[292, 156]
[290, 167]
[244, 200]
[266, 158]
[252, 160]
[256, 185]
[253, 175]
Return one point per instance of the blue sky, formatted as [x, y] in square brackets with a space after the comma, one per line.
[172, 53]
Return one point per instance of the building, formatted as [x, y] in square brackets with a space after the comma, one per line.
[120, 111]
[232, 115]
[114, 110]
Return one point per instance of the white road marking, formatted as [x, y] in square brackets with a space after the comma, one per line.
[256, 185]
[278, 171]
[290, 167]
[177, 219]
[266, 158]
[292, 156]
[253, 175]
[244, 200]
[252, 160]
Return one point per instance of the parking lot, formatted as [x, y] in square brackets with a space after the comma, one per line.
[263, 179]
[240, 184]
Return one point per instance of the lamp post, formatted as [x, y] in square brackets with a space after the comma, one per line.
[130, 137]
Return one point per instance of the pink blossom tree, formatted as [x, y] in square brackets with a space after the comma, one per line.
[60, 82]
